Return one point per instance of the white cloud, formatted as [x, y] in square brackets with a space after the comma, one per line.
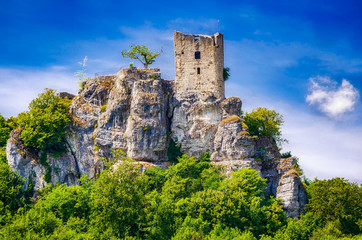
[331, 99]
[326, 149]
[19, 87]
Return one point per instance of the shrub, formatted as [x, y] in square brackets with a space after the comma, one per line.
[286, 155]
[226, 73]
[44, 125]
[174, 150]
[264, 122]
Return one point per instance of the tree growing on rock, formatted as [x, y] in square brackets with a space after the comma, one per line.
[264, 122]
[44, 125]
[141, 53]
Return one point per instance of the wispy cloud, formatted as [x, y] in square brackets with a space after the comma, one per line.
[325, 149]
[330, 98]
[19, 87]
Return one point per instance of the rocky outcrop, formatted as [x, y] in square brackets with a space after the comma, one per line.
[138, 112]
[282, 174]
[194, 121]
[60, 169]
[125, 111]
[290, 188]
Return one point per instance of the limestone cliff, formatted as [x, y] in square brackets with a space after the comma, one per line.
[137, 111]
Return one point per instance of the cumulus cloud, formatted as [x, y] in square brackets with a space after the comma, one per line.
[330, 98]
[325, 148]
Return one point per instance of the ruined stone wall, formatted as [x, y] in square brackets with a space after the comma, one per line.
[199, 75]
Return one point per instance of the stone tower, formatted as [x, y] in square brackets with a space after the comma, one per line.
[199, 63]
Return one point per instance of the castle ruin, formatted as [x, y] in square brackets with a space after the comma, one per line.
[139, 112]
[199, 63]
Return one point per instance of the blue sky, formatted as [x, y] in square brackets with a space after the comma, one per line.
[301, 58]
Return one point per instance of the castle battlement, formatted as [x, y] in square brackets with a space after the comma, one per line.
[199, 63]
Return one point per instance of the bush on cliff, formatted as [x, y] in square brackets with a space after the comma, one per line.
[44, 125]
[264, 122]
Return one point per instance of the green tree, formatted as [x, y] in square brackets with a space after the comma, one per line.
[250, 208]
[11, 194]
[5, 130]
[298, 229]
[264, 122]
[173, 150]
[336, 200]
[59, 213]
[44, 125]
[153, 178]
[67, 202]
[219, 233]
[3, 155]
[117, 202]
[142, 53]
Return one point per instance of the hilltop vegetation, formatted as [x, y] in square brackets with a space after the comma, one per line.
[192, 199]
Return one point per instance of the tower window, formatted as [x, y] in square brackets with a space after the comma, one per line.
[197, 55]
[196, 38]
[198, 70]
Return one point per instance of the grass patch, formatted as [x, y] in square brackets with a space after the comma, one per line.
[231, 119]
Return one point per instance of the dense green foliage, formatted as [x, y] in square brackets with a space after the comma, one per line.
[12, 197]
[344, 206]
[44, 125]
[264, 122]
[142, 53]
[192, 199]
[5, 130]
[173, 150]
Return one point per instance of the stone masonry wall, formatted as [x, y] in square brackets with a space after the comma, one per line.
[209, 77]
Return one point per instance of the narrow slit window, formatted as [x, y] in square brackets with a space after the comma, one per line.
[198, 70]
[197, 55]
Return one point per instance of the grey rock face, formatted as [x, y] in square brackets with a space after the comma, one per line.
[232, 142]
[138, 112]
[62, 169]
[194, 122]
[290, 188]
[147, 125]
[283, 181]
[231, 107]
